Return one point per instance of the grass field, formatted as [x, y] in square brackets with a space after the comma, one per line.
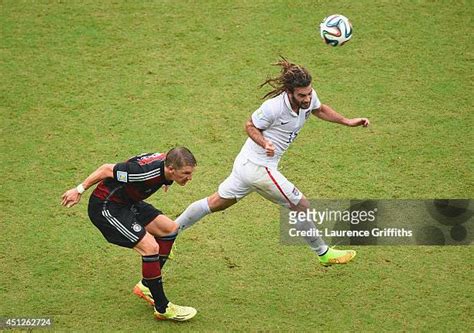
[86, 83]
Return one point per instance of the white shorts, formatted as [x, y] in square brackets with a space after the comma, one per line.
[247, 177]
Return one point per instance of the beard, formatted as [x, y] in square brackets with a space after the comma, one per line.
[300, 105]
[304, 105]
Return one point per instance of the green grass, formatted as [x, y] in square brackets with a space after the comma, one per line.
[85, 83]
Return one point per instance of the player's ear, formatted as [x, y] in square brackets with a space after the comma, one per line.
[169, 170]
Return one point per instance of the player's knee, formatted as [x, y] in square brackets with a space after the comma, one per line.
[152, 249]
[216, 203]
[171, 228]
[213, 202]
[148, 246]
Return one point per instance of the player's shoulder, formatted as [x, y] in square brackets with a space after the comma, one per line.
[275, 101]
[148, 158]
[274, 105]
[315, 102]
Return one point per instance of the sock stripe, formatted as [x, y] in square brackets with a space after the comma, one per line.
[168, 238]
[152, 258]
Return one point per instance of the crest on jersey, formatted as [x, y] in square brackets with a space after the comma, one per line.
[122, 176]
[306, 115]
[136, 227]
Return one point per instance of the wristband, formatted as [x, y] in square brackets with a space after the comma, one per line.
[80, 188]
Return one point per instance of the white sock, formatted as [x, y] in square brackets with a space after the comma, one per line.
[316, 243]
[195, 211]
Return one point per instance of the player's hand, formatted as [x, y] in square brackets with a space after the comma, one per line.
[70, 198]
[354, 122]
[269, 148]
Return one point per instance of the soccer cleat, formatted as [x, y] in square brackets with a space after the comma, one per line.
[333, 256]
[143, 292]
[176, 312]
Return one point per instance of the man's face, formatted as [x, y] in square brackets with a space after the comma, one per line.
[181, 176]
[301, 97]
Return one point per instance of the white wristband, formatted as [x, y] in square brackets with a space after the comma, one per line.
[80, 188]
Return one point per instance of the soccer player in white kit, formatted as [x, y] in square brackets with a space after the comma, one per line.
[271, 130]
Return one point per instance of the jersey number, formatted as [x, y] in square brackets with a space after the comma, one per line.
[292, 137]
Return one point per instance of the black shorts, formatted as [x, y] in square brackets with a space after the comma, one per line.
[123, 225]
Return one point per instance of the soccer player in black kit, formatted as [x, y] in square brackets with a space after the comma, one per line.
[117, 209]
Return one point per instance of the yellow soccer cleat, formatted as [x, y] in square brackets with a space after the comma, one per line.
[176, 312]
[333, 256]
[143, 292]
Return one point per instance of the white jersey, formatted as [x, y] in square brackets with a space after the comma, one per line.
[279, 124]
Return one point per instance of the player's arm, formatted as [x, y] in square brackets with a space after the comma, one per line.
[73, 196]
[256, 135]
[325, 112]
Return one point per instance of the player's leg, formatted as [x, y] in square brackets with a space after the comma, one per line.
[165, 231]
[119, 225]
[217, 203]
[300, 203]
[160, 226]
[199, 209]
[233, 188]
[151, 270]
[327, 256]
[277, 188]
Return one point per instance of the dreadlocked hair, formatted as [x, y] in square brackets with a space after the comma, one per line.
[292, 76]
